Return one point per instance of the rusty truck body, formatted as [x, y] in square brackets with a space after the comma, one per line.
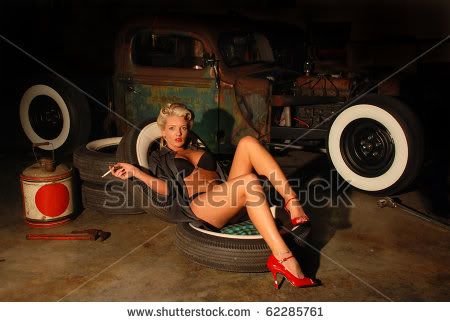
[224, 70]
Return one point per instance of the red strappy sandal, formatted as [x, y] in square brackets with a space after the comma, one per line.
[297, 220]
[276, 266]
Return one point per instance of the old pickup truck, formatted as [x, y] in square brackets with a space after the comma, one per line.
[225, 72]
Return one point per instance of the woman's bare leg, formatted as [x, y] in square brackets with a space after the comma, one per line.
[249, 155]
[218, 205]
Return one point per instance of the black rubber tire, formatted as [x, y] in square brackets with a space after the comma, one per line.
[404, 140]
[231, 254]
[92, 160]
[69, 123]
[115, 199]
[125, 152]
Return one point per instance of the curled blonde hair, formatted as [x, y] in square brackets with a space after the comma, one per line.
[175, 109]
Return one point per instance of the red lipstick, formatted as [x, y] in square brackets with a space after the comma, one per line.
[178, 140]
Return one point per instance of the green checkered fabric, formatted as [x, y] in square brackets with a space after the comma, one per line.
[243, 228]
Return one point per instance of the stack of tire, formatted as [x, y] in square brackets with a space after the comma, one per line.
[103, 194]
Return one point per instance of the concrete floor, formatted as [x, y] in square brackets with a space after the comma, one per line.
[366, 254]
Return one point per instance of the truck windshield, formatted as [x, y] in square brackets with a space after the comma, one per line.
[244, 48]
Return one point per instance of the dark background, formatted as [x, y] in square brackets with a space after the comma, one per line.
[76, 38]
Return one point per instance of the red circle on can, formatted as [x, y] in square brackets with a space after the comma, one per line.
[52, 199]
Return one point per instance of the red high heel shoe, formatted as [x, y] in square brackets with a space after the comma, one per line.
[297, 220]
[276, 266]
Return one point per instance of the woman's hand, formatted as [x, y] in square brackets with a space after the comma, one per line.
[123, 170]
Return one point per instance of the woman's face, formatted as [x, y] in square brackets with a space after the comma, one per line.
[175, 132]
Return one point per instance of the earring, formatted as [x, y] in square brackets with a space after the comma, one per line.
[162, 142]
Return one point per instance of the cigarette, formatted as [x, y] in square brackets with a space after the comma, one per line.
[106, 173]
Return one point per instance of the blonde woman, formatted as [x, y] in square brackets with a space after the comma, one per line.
[215, 201]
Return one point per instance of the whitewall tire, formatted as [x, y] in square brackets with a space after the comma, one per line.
[376, 145]
[53, 111]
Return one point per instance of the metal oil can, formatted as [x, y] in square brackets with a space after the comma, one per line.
[47, 192]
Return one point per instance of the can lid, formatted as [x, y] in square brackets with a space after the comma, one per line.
[37, 171]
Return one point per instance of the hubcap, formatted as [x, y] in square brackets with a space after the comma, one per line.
[367, 147]
[45, 117]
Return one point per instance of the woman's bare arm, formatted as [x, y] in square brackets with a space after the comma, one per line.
[157, 185]
[125, 170]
